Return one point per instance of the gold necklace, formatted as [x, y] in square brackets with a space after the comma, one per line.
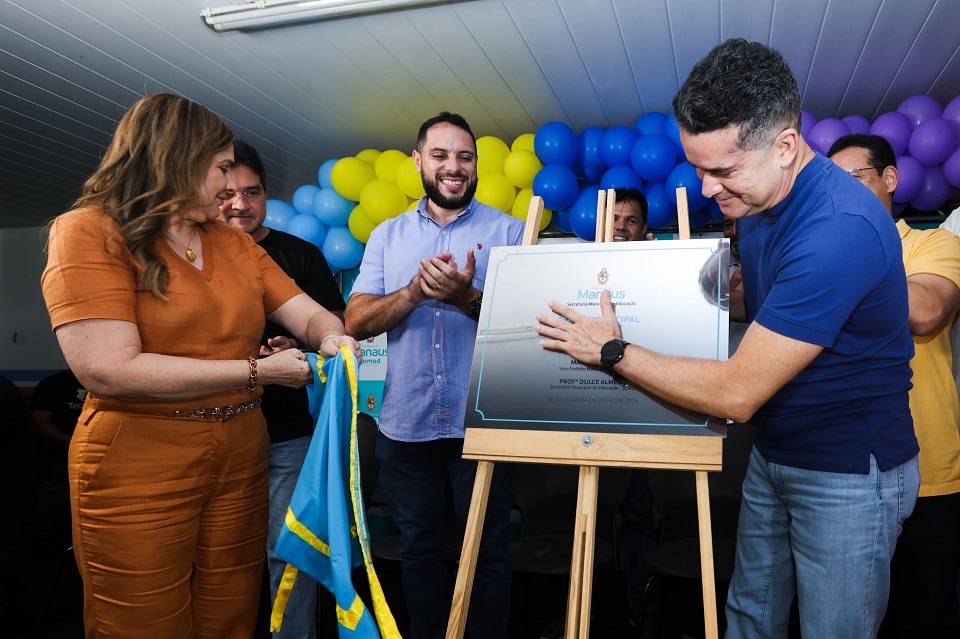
[190, 255]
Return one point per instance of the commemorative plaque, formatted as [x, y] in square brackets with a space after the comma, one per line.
[670, 297]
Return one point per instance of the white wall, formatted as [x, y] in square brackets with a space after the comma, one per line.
[26, 341]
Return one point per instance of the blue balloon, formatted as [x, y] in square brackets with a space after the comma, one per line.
[341, 248]
[661, 212]
[615, 146]
[323, 175]
[303, 198]
[652, 122]
[685, 175]
[331, 208]
[700, 217]
[279, 214]
[557, 185]
[714, 209]
[309, 228]
[561, 220]
[583, 214]
[556, 143]
[672, 130]
[621, 177]
[588, 144]
[653, 157]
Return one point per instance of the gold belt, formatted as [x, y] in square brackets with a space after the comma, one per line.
[221, 413]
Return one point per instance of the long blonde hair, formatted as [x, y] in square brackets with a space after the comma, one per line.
[157, 160]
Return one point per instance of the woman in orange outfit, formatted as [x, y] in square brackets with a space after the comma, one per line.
[159, 309]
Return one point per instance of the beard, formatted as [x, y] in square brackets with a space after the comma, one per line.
[432, 187]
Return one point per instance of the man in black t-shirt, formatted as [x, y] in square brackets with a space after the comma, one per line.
[285, 409]
[56, 405]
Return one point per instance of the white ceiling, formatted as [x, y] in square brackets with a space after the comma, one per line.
[307, 93]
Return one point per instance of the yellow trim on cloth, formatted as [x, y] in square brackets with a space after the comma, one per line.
[381, 610]
[350, 618]
[283, 596]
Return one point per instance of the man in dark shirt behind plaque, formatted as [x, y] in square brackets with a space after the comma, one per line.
[285, 409]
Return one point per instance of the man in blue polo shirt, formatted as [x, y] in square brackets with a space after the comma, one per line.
[822, 371]
[421, 281]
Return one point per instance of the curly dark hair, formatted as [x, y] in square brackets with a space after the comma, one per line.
[740, 83]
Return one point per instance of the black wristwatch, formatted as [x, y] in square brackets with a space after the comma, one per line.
[477, 303]
[612, 352]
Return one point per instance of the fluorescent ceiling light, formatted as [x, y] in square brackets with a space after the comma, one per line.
[272, 13]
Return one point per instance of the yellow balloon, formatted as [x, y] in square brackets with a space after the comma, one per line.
[382, 200]
[413, 204]
[522, 205]
[360, 227]
[387, 163]
[496, 191]
[408, 179]
[368, 155]
[491, 152]
[521, 167]
[349, 176]
[523, 143]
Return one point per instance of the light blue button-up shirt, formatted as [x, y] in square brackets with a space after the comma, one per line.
[431, 351]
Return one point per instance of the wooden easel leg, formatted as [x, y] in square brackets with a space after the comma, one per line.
[706, 557]
[457, 623]
[581, 564]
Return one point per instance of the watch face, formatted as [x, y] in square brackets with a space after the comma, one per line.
[612, 352]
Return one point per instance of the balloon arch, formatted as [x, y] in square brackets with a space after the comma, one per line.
[355, 194]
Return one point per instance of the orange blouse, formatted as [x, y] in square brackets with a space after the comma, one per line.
[214, 313]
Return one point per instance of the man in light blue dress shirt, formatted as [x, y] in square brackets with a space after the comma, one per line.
[421, 281]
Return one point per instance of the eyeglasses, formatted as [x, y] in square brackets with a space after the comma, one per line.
[858, 173]
[248, 194]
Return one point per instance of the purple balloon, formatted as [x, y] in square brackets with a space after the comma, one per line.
[911, 179]
[933, 141]
[951, 169]
[652, 122]
[857, 123]
[616, 144]
[807, 120]
[621, 177]
[825, 132]
[920, 108]
[661, 211]
[952, 113]
[895, 128]
[934, 192]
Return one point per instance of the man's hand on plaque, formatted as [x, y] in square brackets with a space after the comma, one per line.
[577, 335]
[441, 280]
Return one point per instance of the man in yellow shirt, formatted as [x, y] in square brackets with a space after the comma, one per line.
[923, 596]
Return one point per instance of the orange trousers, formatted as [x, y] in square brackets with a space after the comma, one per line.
[169, 522]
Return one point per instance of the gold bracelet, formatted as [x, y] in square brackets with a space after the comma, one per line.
[252, 380]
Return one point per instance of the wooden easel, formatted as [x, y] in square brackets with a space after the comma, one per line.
[589, 451]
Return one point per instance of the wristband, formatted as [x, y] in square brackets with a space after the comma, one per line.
[252, 380]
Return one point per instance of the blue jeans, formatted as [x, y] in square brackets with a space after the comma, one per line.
[415, 476]
[300, 616]
[826, 537]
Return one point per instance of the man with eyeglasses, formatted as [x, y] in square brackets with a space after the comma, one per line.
[286, 410]
[923, 598]
[823, 370]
